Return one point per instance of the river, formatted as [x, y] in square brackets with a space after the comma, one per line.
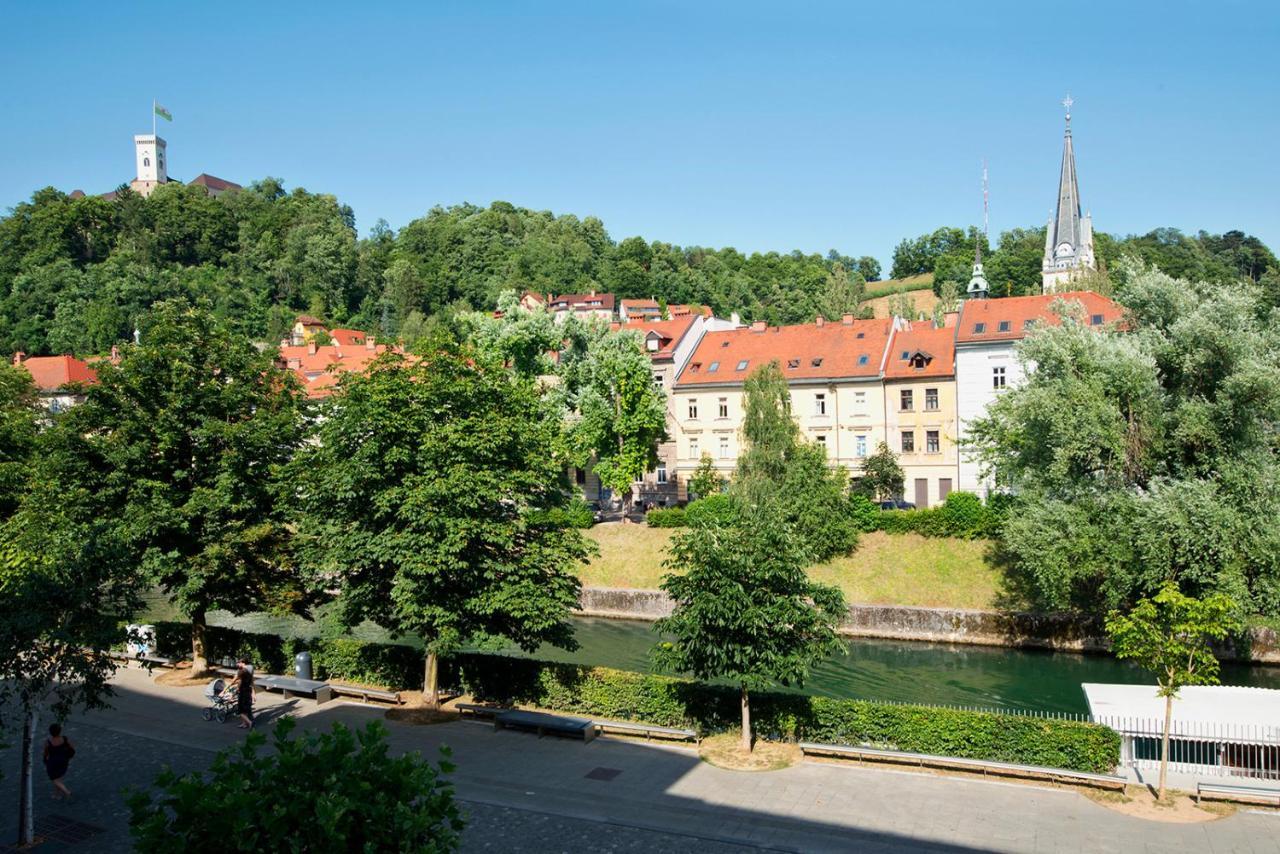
[903, 671]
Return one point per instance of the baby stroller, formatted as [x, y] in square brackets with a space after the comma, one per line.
[221, 701]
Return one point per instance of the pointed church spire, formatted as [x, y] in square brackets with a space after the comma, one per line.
[1069, 242]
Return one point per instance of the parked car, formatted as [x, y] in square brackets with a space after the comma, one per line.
[897, 504]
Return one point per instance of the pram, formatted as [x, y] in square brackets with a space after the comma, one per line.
[221, 701]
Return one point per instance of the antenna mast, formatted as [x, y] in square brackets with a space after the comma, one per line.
[986, 207]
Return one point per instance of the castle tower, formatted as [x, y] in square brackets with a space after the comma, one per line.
[1068, 241]
[152, 170]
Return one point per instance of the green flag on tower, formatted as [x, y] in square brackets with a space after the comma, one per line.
[163, 113]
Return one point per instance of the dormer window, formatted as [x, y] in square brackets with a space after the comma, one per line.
[919, 361]
[724, 343]
[793, 363]
[694, 367]
[816, 361]
[653, 343]
[1004, 326]
[979, 328]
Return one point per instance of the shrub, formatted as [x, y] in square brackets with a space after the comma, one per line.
[666, 701]
[712, 510]
[324, 791]
[864, 512]
[666, 517]
[962, 515]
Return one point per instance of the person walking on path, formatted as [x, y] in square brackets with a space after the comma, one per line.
[58, 751]
[243, 683]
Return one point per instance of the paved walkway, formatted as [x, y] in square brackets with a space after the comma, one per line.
[526, 794]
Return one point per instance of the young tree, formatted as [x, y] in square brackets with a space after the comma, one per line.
[882, 478]
[190, 431]
[1169, 635]
[620, 415]
[706, 479]
[842, 293]
[430, 500]
[335, 790]
[768, 430]
[744, 608]
[520, 337]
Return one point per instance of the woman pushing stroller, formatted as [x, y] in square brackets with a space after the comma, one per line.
[243, 686]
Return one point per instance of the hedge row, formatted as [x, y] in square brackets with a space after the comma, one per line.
[665, 701]
[962, 515]
[665, 517]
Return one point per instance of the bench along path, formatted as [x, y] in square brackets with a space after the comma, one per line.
[1010, 769]
[544, 724]
[289, 687]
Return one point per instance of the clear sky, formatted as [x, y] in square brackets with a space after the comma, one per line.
[761, 126]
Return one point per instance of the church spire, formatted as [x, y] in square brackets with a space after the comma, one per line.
[1068, 243]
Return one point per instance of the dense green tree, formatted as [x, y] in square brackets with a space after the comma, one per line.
[706, 479]
[842, 294]
[744, 609]
[1169, 635]
[19, 425]
[329, 791]
[430, 501]
[882, 477]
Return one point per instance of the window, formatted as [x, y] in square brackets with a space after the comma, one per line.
[724, 343]
[1095, 320]
[657, 381]
[816, 362]
[931, 399]
[742, 365]
[908, 441]
[723, 411]
[713, 367]
[861, 335]
[1004, 326]
[862, 360]
[693, 449]
[652, 344]
[820, 405]
[906, 354]
[907, 400]
[793, 363]
[997, 377]
[662, 473]
[724, 447]
[580, 475]
[860, 401]
[695, 367]
[821, 439]
[146, 161]
[979, 328]
[860, 445]
[693, 407]
[932, 444]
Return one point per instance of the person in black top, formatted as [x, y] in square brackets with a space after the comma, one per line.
[243, 683]
[57, 757]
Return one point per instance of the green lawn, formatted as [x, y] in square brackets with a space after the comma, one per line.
[886, 569]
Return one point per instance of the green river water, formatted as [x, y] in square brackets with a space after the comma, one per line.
[916, 672]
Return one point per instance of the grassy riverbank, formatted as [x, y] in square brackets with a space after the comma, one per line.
[886, 569]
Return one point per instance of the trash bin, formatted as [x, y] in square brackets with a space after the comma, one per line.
[302, 665]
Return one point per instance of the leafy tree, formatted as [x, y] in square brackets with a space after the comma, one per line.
[842, 295]
[19, 423]
[620, 414]
[744, 609]
[769, 432]
[321, 792]
[902, 304]
[882, 478]
[1169, 635]
[183, 442]
[706, 479]
[522, 338]
[435, 501]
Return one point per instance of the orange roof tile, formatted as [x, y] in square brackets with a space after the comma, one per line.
[1008, 319]
[670, 333]
[938, 345]
[318, 371]
[52, 373]
[347, 337]
[808, 351]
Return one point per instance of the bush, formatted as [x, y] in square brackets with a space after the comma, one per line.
[325, 791]
[666, 517]
[864, 512]
[666, 701]
[575, 515]
[713, 510]
[962, 515]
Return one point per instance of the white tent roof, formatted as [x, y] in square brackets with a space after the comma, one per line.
[1221, 710]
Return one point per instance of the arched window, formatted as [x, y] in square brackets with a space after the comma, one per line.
[146, 161]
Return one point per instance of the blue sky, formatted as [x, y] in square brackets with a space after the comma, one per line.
[759, 126]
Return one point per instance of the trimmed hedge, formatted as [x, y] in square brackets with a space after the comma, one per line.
[665, 517]
[666, 701]
[962, 515]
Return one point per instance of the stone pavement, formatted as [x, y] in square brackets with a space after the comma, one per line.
[530, 794]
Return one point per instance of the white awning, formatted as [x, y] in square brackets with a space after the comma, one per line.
[1199, 710]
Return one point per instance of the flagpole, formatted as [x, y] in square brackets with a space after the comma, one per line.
[153, 118]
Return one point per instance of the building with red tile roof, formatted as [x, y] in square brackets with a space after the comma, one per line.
[319, 367]
[59, 380]
[920, 410]
[347, 337]
[582, 305]
[1011, 318]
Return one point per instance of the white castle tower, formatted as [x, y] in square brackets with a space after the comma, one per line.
[1068, 242]
[152, 171]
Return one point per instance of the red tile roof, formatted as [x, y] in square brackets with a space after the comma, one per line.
[670, 333]
[938, 345]
[308, 320]
[581, 302]
[206, 180]
[347, 337]
[1007, 319]
[805, 352]
[52, 373]
[681, 309]
[318, 372]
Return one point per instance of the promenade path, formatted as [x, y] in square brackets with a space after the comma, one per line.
[526, 794]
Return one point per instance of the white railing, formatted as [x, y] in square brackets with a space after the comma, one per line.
[1201, 747]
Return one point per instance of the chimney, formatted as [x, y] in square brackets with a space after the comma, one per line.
[735, 319]
[759, 326]
[370, 343]
[311, 347]
[820, 320]
[846, 319]
[18, 357]
[115, 355]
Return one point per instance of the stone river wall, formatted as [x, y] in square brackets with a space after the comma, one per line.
[939, 625]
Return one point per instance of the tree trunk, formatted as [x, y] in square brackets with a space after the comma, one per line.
[199, 650]
[746, 720]
[1164, 744]
[431, 682]
[26, 819]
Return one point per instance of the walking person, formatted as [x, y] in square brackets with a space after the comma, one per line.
[243, 683]
[58, 751]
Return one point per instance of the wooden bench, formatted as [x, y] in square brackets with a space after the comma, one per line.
[986, 766]
[161, 660]
[367, 694]
[288, 686]
[647, 730]
[544, 724]
[1238, 793]
[478, 710]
